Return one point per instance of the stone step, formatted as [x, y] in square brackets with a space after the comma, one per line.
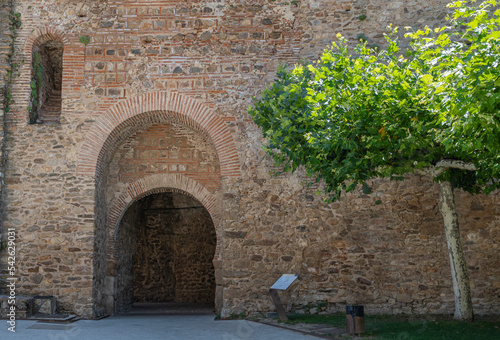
[52, 103]
[55, 318]
[51, 109]
[55, 97]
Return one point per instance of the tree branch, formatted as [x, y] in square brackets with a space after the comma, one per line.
[444, 164]
[451, 163]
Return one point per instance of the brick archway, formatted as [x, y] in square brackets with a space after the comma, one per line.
[157, 184]
[106, 132]
[104, 137]
[42, 35]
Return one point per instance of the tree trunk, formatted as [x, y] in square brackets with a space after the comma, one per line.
[460, 277]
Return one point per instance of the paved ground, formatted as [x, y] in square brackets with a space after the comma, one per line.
[146, 327]
[323, 331]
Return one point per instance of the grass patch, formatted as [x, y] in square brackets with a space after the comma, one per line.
[414, 328]
[334, 320]
[396, 328]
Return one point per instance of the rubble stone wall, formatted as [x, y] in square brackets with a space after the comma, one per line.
[6, 42]
[132, 66]
[175, 248]
[123, 297]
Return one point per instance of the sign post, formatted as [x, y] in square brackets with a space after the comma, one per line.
[283, 283]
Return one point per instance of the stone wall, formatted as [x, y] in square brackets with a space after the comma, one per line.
[6, 40]
[174, 253]
[320, 21]
[122, 291]
[391, 257]
[164, 248]
[23, 307]
[191, 68]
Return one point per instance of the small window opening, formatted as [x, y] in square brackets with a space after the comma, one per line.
[46, 83]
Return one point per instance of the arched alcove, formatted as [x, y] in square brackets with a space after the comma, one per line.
[113, 129]
[46, 82]
[165, 243]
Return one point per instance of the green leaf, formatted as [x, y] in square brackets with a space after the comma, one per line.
[427, 79]
[84, 39]
[349, 118]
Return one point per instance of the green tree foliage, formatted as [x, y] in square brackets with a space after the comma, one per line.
[433, 109]
[385, 113]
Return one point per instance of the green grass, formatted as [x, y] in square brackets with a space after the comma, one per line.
[335, 320]
[405, 328]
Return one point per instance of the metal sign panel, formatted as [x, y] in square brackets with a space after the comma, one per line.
[285, 281]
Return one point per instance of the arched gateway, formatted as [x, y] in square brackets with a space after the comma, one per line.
[131, 119]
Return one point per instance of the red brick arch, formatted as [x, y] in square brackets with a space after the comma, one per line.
[42, 35]
[129, 115]
[160, 183]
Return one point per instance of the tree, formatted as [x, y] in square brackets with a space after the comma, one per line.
[434, 109]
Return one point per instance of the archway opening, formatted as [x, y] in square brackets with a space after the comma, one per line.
[165, 246]
[150, 143]
[46, 82]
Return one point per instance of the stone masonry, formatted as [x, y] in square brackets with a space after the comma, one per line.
[177, 235]
[166, 244]
[153, 101]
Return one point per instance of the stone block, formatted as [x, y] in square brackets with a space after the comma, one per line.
[44, 305]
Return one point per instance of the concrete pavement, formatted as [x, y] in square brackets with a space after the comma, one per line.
[146, 327]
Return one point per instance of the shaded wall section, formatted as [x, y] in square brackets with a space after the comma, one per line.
[127, 239]
[168, 242]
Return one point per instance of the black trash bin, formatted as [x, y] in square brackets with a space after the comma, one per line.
[355, 319]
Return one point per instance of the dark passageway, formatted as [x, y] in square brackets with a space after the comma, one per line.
[165, 246]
